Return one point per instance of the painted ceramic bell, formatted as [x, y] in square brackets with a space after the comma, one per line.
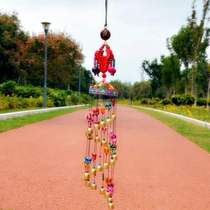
[93, 186]
[86, 176]
[111, 205]
[99, 167]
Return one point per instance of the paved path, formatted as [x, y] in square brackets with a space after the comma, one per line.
[157, 169]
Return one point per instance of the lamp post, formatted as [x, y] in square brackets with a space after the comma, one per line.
[46, 26]
[79, 84]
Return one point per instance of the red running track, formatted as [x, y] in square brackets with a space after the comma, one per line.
[157, 169]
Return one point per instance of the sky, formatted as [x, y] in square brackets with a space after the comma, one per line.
[139, 27]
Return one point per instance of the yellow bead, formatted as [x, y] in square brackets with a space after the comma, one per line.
[87, 183]
[96, 126]
[89, 131]
[106, 165]
[110, 200]
[94, 186]
[97, 139]
[114, 156]
[99, 168]
[93, 170]
[102, 124]
[104, 142]
[102, 190]
[113, 116]
[112, 162]
[108, 120]
[111, 205]
[107, 194]
[86, 176]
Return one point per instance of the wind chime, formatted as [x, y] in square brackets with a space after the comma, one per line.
[101, 147]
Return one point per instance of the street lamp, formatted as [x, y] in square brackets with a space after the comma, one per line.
[79, 84]
[46, 26]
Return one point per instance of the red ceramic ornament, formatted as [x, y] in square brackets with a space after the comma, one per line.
[104, 60]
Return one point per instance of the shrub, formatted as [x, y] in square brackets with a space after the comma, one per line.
[85, 99]
[144, 101]
[74, 99]
[166, 101]
[8, 88]
[201, 102]
[177, 100]
[28, 91]
[188, 100]
[58, 99]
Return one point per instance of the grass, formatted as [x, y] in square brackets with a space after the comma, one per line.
[196, 134]
[199, 112]
[16, 122]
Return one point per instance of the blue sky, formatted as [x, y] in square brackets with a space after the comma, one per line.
[139, 27]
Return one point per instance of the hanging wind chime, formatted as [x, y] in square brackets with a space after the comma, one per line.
[101, 147]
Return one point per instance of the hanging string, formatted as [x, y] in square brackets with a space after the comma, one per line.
[106, 11]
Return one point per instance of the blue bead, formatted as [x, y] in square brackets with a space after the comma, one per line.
[87, 160]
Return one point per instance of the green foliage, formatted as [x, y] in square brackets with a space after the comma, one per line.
[28, 91]
[141, 90]
[124, 89]
[22, 56]
[8, 102]
[166, 101]
[12, 38]
[153, 70]
[187, 48]
[182, 100]
[149, 101]
[74, 99]
[189, 100]
[201, 101]
[8, 88]
[170, 73]
[21, 121]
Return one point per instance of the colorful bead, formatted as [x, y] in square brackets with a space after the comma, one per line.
[106, 165]
[110, 199]
[99, 168]
[87, 160]
[93, 186]
[93, 171]
[102, 190]
[111, 205]
[94, 156]
[86, 176]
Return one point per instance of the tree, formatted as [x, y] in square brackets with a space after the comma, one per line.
[190, 45]
[124, 89]
[141, 90]
[11, 40]
[208, 91]
[170, 70]
[64, 60]
[153, 70]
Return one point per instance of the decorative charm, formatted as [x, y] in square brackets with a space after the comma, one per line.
[101, 138]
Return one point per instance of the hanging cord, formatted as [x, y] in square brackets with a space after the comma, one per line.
[106, 11]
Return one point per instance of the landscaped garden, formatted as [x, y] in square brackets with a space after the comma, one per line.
[16, 97]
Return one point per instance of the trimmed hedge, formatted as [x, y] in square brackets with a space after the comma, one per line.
[13, 96]
[176, 100]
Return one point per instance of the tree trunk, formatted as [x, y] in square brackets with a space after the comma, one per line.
[193, 85]
[208, 94]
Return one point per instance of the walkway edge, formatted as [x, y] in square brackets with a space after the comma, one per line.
[5, 116]
[182, 117]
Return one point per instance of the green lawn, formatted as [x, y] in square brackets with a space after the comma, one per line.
[196, 134]
[21, 121]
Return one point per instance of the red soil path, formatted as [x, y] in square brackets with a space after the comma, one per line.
[157, 169]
